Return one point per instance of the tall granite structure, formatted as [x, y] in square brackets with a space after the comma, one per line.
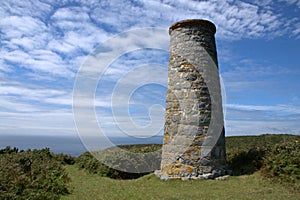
[194, 138]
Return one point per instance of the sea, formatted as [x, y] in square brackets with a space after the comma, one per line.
[70, 145]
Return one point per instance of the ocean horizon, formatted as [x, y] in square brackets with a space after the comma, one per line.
[70, 145]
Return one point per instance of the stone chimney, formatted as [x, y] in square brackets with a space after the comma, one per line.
[194, 136]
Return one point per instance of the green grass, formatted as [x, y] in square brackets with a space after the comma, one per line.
[86, 186]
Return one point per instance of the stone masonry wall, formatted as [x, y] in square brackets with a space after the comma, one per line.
[190, 147]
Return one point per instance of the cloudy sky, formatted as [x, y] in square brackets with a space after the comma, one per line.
[44, 43]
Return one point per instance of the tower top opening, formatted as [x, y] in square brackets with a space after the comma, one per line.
[193, 22]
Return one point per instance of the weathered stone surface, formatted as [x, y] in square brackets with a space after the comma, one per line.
[187, 151]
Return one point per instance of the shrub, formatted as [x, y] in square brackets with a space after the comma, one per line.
[245, 154]
[283, 164]
[246, 161]
[32, 174]
[142, 164]
[64, 159]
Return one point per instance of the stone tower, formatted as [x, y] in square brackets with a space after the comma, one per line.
[194, 136]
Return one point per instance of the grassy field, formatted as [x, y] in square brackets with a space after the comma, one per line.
[92, 186]
[258, 164]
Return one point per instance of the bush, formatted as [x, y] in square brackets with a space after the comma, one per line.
[142, 164]
[32, 174]
[283, 164]
[245, 154]
[64, 159]
[246, 161]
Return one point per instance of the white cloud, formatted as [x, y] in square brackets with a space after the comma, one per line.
[74, 29]
[234, 20]
[17, 98]
[262, 119]
[13, 105]
[292, 2]
[20, 26]
[258, 76]
[296, 31]
[5, 68]
[43, 44]
[277, 108]
[27, 8]
[54, 123]
[240, 127]
[6, 89]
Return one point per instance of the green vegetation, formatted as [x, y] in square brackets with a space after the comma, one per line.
[245, 154]
[248, 142]
[283, 164]
[264, 167]
[88, 186]
[137, 161]
[32, 174]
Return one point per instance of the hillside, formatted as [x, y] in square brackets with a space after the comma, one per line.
[264, 167]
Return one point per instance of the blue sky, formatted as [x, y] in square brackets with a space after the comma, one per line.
[44, 43]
